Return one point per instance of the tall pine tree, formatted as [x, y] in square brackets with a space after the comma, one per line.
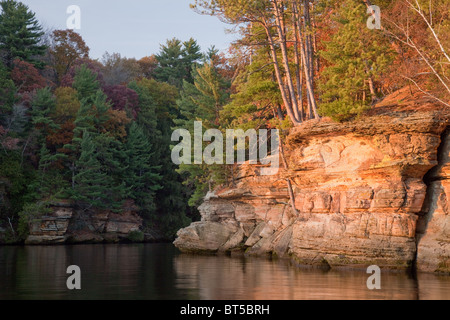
[141, 176]
[355, 57]
[20, 34]
[92, 186]
[203, 101]
[175, 61]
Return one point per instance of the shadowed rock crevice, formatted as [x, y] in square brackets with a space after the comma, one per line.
[433, 227]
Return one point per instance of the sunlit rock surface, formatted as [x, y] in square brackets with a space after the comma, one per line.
[359, 191]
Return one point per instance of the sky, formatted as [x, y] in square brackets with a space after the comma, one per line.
[133, 28]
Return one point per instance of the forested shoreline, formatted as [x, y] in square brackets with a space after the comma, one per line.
[97, 133]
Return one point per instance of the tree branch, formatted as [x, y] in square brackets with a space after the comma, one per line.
[427, 93]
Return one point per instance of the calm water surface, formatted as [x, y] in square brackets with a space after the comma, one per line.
[159, 271]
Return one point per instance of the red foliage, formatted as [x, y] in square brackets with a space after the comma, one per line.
[95, 66]
[57, 139]
[26, 77]
[123, 98]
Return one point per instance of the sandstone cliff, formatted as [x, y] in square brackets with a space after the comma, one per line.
[370, 191]
[66, 225]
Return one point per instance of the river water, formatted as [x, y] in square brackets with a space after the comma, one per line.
[160, 272]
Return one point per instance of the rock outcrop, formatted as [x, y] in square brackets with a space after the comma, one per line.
[51, 229]
[66, 225]
[360, 196]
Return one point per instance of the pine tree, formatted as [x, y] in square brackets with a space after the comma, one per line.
[92, 186]
[175, 61]
[20, 34]
[191, 57]
[256, 97]
[50, 183]
[86, 84]
[203, 101]
[92, 115]
[157, 102]
[112, 156]
[42, 105]
[356, 56]
[141, 176]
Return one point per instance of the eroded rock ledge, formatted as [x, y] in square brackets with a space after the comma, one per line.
[359, 192]
[64, 224]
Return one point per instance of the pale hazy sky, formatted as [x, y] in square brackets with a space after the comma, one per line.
[133, 28]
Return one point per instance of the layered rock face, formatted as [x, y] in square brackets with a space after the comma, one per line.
[359, 193]
[51, 229]
[64, 224]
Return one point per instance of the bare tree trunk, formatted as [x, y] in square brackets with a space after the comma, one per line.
[308, 39]
[11, 226]
[309, 84]
[285, 59]
[280, 113]
[299, 36]
[373, 92]
[307, 59]
[298, 63]
[280, 81]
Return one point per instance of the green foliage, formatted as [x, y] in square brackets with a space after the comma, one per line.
[176, 60]
[7, 91]
[49, 182]
[86, 84]
[42, 105]
[14, 184]
[20, 34]
[93, 185]
[136, 236]
[30, 212]
[202, 101]
[141, 177]
[356, 56]
[158, 109]
[257, 95]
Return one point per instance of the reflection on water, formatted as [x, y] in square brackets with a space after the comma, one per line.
[157, 272]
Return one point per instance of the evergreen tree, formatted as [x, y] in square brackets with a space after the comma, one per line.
[141, 176]
[49, 182]
[191, 57]
[92, 115]
[157, 111]
[20, 34]
[203, 101]
[112, 156]
[356, 56]
[7, 91]
[42, 105]
[256, 97]
[86, 84]
[175, 61]
[92, 186]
